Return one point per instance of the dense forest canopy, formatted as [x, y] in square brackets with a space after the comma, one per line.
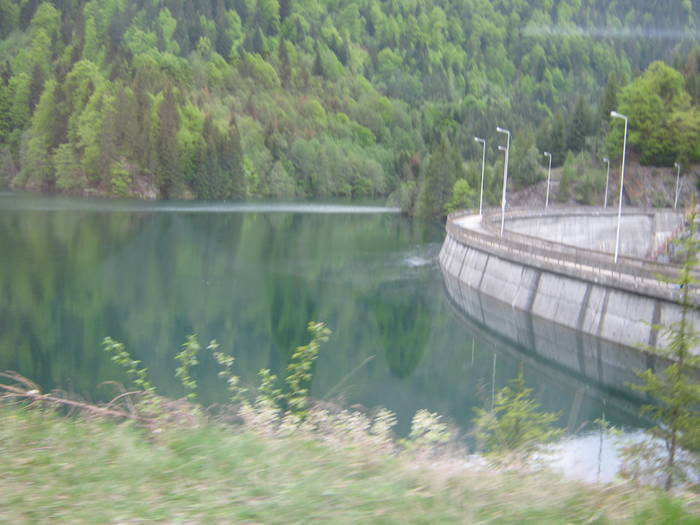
[225, 99]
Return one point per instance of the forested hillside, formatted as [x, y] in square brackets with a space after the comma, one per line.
[223, 99]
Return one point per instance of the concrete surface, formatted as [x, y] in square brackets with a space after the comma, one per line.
[554, 266]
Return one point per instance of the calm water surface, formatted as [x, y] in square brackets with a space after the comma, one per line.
[251, 276]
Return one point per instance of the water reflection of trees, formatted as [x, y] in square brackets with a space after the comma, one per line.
[404, 321]
[253, 281]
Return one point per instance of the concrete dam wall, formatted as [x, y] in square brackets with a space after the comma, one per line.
[644, 232]
[546, 264]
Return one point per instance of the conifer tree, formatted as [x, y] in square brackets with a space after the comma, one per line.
[318, 63]
[676, 390]
[5, 122]
[256, 43]
[285, 9]
[443, 169]
[691, 71]
[578, 127]
[285, 65]
[515, 424]
[169, 172]
[36, 86]
[37, 167]
[558, 140]
[232, 161]
[205, 181]
[608, 102]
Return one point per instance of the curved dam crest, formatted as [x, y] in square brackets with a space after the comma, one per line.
[558, 265]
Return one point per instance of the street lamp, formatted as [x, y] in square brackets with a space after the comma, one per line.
[615, 114]
[483, 162]
[505, 177]
[678, 179]
[549, 176]
[607, 181]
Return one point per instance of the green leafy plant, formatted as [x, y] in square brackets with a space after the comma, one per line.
[188, 359]
[226, 361]
[462, 196]
[132, 366]
[299, 369]
[268, 392]
[515, 424]
[428, 431]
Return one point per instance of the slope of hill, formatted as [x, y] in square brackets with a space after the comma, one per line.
[302, 98]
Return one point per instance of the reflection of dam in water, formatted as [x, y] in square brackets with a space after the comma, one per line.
[585, 369]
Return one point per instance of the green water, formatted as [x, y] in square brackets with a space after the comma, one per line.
[251, 277]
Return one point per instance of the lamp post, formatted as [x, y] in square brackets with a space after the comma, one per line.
[607, 181]
[505, 177]
[549, 176]
[615, 114]
[483, 162]
[678, 179]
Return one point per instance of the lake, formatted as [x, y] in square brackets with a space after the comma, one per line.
[251, 276]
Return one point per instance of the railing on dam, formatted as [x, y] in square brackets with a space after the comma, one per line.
[632, 274]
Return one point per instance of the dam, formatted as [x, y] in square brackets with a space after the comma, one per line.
[558, 264]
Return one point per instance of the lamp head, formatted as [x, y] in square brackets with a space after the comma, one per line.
[617, 115]
[547, 154]
[606, 159]
[676, 165]
[502, 148]
[501, 130]
[477, 139]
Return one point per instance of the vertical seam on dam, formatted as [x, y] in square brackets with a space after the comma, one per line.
[656, 320]
[580, 350]
[603, 312]
[584, 308]
[466, 252]
[483, 272]
[533, 292]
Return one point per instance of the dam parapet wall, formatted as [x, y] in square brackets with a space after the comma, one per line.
[572, 285]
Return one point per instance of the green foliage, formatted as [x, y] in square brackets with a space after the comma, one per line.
[269, 393]
[168, 166]
[568, 174]
[608, 102]
[188, 359]
[515, 424]
[463, 197]
[120, 179]
[443, 168]
[299, 369]
[524, 164]
[132, 366]
[134, 82]
[68, 169]
[654, 102]
[428, 431]
[675, 390]
[580, 126]
[226, 362]
[38, 171]
[294, 398]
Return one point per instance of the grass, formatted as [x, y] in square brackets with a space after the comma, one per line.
[57, 469]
